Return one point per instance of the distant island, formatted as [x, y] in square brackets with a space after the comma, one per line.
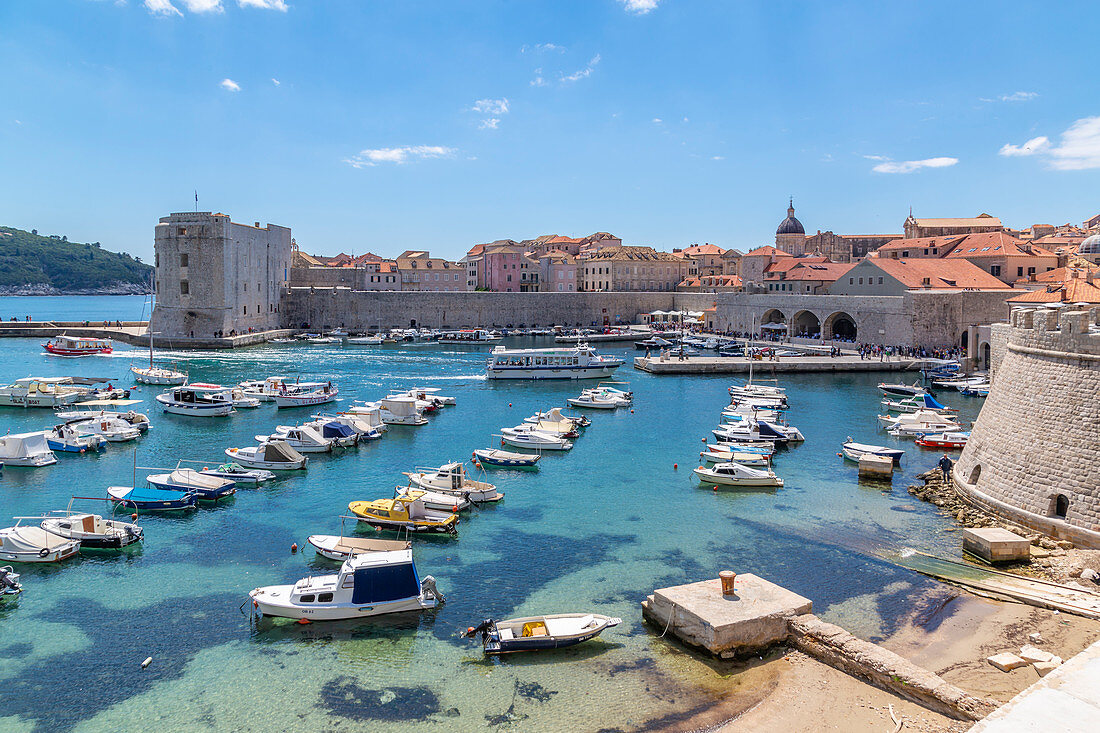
[32, 264]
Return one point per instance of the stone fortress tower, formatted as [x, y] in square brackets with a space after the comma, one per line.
[791, 236]
[1034, 454]
[216, 276]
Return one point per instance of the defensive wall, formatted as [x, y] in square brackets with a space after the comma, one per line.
[931, 318]
[1034, 453]
[326, 308]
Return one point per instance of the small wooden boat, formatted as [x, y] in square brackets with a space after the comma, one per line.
[948, 441]
[274, 455]
[303, 394]
[734, 474]
[341, 547]
[540, 633]
[146, 499]
[404, 512]
[24, 543]
[852, 451]
[494, 458]
[92, 531]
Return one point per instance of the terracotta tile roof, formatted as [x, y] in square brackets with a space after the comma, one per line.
[767, 250]
[1061, 274]
[977, 221]
[941, 242]
[697, 250]
[941, 274]
[789, 263]
[1074, 290]
[824, 271]
[629, 252]
[995, 244]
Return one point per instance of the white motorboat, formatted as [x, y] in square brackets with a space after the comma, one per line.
[301, 438]
[609, 390]
[238, 474]
[196, 401]
[554, 423]
[756, 429]
[92, 531]
[853, 451]
[913, 429]
[579, 362]
[341, 547]
[423, 403]
[765, 391]
[540, 633]
[361, 423]
[26, 449]
[734, 474]
[42, 392]
[236, 395]
[306, 394]
[555, 415]
[9, 583]
[902, 390]
[323, 340]
[26, 543]
[274, 455]
[451, 478]
[66, 439]
[741, 415]
[338, 333]
[189, 481]
[436, 500]
[111, 429]
[336, 431]
[595, 401]
[138, 420]
[365, 340]
[393, 411]
[368, 584]
[756, 460]
[157, 375]
[264, 389]
[913, 404]
[760, 403]
[474, 336]
[561, 430]
[760, 447]
[534, 440]
[919, 417]
[432, 393]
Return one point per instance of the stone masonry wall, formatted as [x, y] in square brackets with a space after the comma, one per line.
[326, 308]
[1037, 437]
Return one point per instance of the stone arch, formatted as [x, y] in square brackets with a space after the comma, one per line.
[983, 355]
[773, 315]
[1060, 506]
[964, 340]
[806, 323]
[975, 474]
[840, 325]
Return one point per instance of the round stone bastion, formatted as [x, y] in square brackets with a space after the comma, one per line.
[1034, 453]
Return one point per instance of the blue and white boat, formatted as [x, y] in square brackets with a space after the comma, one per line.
[853, 451]
[540, 633]
[205, 487]
[66, 439]
[144, 498]
[505, 459]
[197, 401]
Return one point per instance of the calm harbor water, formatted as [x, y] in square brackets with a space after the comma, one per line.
[597, 528]
[75, 308]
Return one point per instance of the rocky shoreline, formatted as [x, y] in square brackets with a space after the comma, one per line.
[31, 289]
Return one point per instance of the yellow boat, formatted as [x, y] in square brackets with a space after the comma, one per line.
[406, 511]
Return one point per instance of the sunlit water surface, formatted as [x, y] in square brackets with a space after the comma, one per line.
[596, 529]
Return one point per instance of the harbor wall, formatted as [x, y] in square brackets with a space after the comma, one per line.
[1034, 452]
[326, 308]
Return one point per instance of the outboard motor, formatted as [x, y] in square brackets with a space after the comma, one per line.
[482, 628]
[428, 588]
[8, 584]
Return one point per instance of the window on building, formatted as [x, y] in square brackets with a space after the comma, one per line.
[182, 231]
[1031, 271]
[880, 281]
[995, 270]
[184, 287]
[245, 286]
[509, 278]
[156, 260]
[183, 259]
[851, 281]
[861, 281]
[905, 253]
[246, 310]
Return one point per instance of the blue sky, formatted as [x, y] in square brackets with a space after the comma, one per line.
[395, 124]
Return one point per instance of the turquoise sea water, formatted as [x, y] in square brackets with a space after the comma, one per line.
[596, 529]
[75, 308]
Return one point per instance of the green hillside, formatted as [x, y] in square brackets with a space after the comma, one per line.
[29, 259]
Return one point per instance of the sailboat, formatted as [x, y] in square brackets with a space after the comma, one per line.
[157, 375]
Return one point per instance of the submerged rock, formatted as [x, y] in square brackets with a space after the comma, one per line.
[344, 697]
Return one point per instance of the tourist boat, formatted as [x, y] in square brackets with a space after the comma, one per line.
[157, 375]
[25, 543]
[9, 583]
[403, 512]
[342, 547]
[854, 451]
[111, 429]
[304, 394]
[912, 404]
[74, 346]
[435, 500]
[238, 474]
[902, 390]
[302, 439]
[49, 392]
[451, 478]
[203, 486]
[369, 584]
[946, 441]
[475, 336]
[26, 449]
[495, 458]
[92, 531]
[66, 439]
[365, 340]
[734, 474]
[335, 431]
[393, 411]
[146, 499]
[362, 423]
[579, 362]
[196, 401]
[755, 460]
[274, 455]
[539, 633]
[533, 439]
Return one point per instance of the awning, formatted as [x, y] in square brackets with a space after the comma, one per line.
[774, 327]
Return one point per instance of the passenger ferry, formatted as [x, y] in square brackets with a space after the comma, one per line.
[69, 346]
[471, 336]
[579, 362]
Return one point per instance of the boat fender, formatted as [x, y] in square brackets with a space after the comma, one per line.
[293, 547]
[133, 517]
[304, 621]
[838, 455]
[43, 552]
[703, 439]
[147, 662]
[632, 412]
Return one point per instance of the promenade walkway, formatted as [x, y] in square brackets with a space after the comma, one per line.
[738, 365]
[135, 333]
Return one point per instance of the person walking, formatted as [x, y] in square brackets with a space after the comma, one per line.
[945, 465]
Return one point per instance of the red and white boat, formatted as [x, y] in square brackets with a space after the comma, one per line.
[953, 441]
[70, 346]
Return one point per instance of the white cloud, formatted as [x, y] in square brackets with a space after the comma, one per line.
[276, 82]
[1080, 146]
[639, 7]
[538, 81]
[204, 6]
[717, 157]
[398, 156]
[230, 86]
[657, 120]
[491, 106]
[583, 73]
[490, 124]
[162, 7]
[279, 5]
[1019, 97]
[1035, 145]
[886, 165]
[543, 47]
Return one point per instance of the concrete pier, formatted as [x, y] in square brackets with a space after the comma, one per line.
[872, 466]
[134, 333]
[740, 365]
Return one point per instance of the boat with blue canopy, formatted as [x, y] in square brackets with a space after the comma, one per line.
[143, 498]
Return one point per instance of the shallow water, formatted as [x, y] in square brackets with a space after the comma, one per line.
[595, 529]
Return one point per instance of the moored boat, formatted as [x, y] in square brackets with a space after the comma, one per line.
[540, 633]
[26, 543]
[495, 458]
[203, 486]
[273, 455]
[26, 449]
[305, 394]
[451, 478]
[734, 474]
[902, 390]
[196, 401]
[66, 439]
[533, 439]
[301, 438]
[853, 451]
[435, 500]
[341, 547]
[92, 531]
[42, 392]
[238, 474]
[944, 441]
[403, 512]
[144, 498]
[10, 587]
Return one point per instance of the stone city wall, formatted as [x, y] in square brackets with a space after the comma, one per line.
[326, 308]
[1034, 453]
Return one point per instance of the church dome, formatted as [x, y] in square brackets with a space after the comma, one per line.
[1091, 246]
[790, 225]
